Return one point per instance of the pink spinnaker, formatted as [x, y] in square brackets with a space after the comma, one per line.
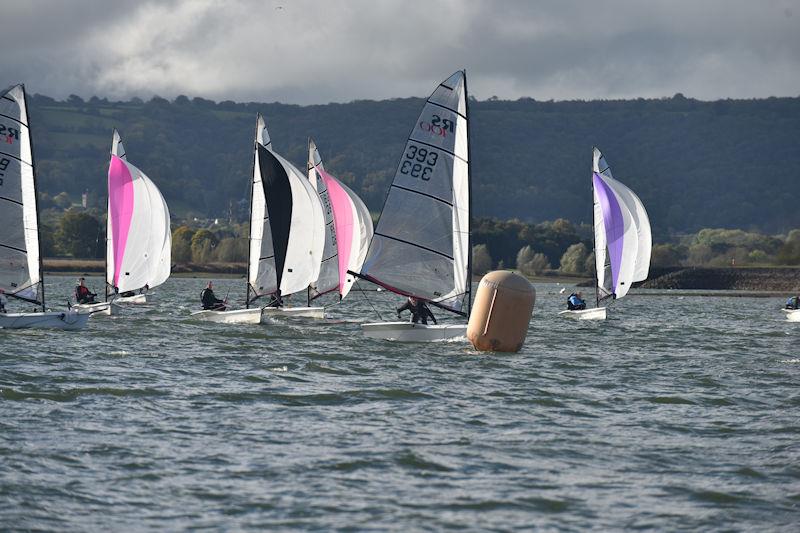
[120, 209]
[342, 222]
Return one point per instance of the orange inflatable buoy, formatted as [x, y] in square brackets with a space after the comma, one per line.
[501, 312]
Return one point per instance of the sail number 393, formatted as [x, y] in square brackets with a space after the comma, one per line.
[419, 162]
[3, 166]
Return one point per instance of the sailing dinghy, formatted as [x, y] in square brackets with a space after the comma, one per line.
[348, 230]
[286, 238]
[622, 239]
[138, 237]
[421, 246]
[20, 255]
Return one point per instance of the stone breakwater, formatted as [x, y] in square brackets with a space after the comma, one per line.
[738, 279]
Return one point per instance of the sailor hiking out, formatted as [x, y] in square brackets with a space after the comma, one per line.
[419, 311]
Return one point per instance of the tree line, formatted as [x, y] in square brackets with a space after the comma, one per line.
[551, 246]
[695, 164]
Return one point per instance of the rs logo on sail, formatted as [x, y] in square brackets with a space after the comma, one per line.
[9, 133]
[438, 126]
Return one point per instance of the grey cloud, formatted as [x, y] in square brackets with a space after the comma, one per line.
[314, 52]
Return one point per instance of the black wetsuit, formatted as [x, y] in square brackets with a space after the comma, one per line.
[210, 301]
[83, 295]
[419, 312]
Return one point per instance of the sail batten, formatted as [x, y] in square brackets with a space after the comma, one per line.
[421, 244]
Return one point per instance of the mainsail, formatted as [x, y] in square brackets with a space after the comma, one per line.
[286, 225]
[348, 225]
[421, 245]
[623, 240]
[139, 242]
[20, 264]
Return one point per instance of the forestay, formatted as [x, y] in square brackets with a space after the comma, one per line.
[20, 267]
[623, 240]
[287, 225]
[421, 244]
[139, 247]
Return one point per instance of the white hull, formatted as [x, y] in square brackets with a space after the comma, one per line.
[135, 299]
[597, 313]
[410, 332]
[238, 316]
[792, 315]
[304, 312]
[101, 308]
[70, 320]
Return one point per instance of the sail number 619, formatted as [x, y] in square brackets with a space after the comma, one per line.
[419, 162]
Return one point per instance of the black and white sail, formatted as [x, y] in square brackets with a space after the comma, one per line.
[421, 244]
[286, 224]
[20, 265]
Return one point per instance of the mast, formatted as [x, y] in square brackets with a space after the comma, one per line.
[108, 223]
[250, 229]
[594, 250]
[469, 204]
[35, 191]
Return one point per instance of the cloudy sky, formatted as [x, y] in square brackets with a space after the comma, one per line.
[305, 51]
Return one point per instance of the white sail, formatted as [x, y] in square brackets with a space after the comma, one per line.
[623, 240]
[361, 245]
[328, 279]
[139, 241]
[421, 245]
[20, 270]
[262, 276]
[286, 252]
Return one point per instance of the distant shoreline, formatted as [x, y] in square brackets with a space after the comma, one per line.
[765, 280]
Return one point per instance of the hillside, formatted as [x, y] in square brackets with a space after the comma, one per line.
[731, 163]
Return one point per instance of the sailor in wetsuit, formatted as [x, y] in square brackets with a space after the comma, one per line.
[2, 301]
[82, 293]
[419, 311]
[793, 302]
[575, 302]
[210, 301]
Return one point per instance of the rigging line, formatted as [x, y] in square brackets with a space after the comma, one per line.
[370, 303]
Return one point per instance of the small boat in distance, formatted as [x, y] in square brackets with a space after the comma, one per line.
[421, 247]
[20, 254]
[622, 239]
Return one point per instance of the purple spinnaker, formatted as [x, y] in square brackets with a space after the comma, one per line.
[614, 225]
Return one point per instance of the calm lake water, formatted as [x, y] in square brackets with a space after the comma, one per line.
[677, 413]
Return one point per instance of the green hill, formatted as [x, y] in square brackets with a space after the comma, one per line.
[729, 163]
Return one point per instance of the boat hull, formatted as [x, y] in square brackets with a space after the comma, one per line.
[135, 299]
[68, 320]
[300, 312]
[410, 332]
[238, 316]
[100, 309]
[792, 315]
[597, 313]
